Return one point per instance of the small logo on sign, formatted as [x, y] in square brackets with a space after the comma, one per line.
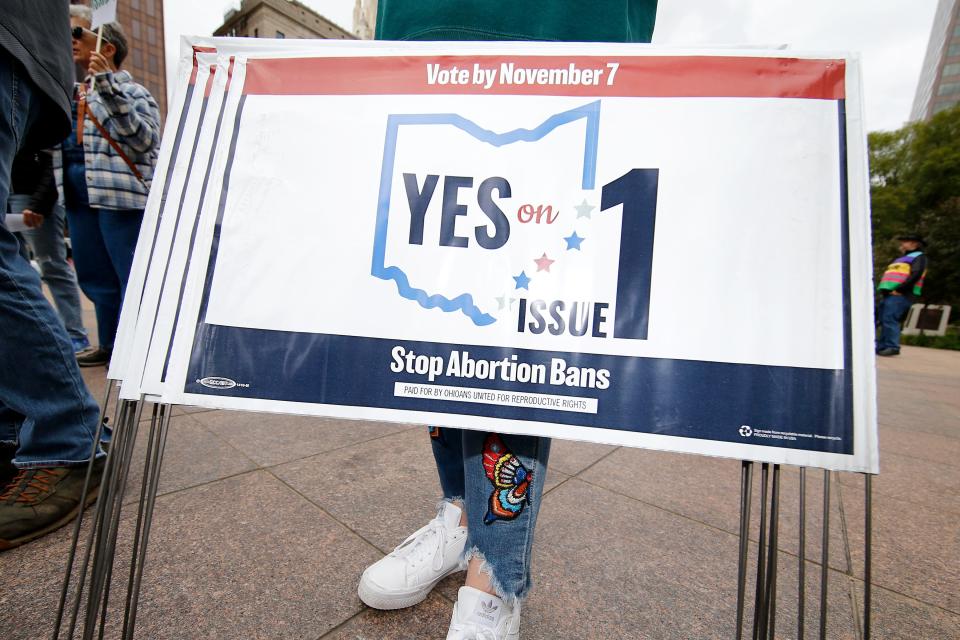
[746, 431]
[215, 382]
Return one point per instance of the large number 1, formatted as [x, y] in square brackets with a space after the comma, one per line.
[636, 190]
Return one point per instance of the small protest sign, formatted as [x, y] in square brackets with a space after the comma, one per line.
[104, 11]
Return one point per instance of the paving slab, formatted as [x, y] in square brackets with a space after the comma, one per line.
[554, 479]
[896, 617]
[636, 570]
[429, 620]
[271, 439]
[918, 391]
[921, 360]
[571, 457]
[30, 580]
[893, 616]
[916, 549]
[943, 449]
[660, 576]
[924, 416]
[384, 489]
[270, 564]
[842, 620]
[192, 456]
[244, 557]
[926, 483]
[707, 490]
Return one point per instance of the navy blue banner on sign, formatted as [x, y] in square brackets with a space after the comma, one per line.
[705, 400]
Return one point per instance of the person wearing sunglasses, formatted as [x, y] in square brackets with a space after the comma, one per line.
[107, 165]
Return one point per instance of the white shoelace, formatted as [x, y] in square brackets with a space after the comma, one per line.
[472, 632]
[418, 545]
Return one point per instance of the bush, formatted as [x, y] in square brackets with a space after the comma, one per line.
[915, 188]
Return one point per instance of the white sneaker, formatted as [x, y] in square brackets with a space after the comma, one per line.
[477, 615]
[405, 576]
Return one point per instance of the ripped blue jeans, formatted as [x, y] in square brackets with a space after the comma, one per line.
[499, 478]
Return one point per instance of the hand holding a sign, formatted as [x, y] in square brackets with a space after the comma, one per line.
[101, 62]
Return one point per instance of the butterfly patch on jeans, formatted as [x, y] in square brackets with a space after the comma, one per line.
[511, 481]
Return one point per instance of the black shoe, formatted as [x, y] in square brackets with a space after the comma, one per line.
[94, 357]
[7, 470]
[889, 351]
[39, 501]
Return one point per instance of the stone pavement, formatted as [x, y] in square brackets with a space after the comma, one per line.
[265, 522]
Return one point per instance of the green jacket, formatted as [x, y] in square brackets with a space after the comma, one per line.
[551, 20]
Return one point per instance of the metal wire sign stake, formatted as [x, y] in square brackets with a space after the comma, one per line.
[94, 574]
[765, 601]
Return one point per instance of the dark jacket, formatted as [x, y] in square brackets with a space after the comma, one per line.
[36, 33]
[32, 175]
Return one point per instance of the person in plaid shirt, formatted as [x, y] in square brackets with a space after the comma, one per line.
[107, 165]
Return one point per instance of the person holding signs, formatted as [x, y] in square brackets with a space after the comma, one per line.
[108, 164]
[491, 483]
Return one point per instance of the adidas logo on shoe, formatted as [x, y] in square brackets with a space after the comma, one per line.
[477, 615]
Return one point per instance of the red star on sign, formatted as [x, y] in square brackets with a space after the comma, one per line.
[543, 263]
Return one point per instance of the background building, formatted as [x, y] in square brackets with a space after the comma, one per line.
[939, 86]
[279, 19]
[142, 21]
[365, 19]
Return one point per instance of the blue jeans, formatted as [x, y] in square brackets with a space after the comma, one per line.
[499, 479]
[103, 242]
[893, 309]
[45, 406]
[48, 247]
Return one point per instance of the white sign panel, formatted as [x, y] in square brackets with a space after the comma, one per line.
[104, 11]
[612, 243]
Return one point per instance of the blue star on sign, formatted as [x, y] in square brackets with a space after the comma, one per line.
[573, 241]
[522, 281]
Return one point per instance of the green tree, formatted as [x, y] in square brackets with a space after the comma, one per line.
[915, 188]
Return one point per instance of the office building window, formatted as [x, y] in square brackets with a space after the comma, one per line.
[949, 89]
[954, 50]
[943, 106]
[151, 36]
[135, 29]
[151, 7]
[280, 34]
[951, 69]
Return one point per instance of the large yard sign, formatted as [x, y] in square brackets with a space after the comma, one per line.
[613, 243]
